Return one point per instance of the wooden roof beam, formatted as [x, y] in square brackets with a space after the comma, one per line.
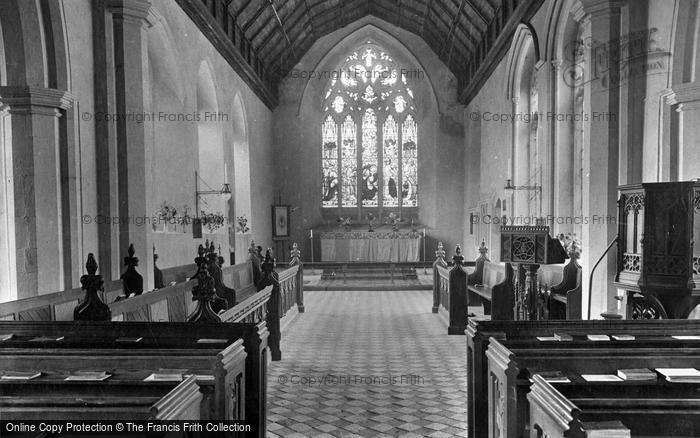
[254, 17]
[450, 40]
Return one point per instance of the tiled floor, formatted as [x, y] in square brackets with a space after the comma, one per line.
[368, 364]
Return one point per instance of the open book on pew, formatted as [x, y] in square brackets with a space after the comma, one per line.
[89, 376]
[606, 429]
[6, 336]
[554, 377]
[601, 378]
[166, 375]
[680, 375]
[212, 341]
[47, 339]
[20, 375]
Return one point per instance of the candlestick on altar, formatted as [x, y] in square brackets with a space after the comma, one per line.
[425, 268]
[311, 240]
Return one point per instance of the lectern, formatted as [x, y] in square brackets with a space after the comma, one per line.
[529, 247]
[658, 269]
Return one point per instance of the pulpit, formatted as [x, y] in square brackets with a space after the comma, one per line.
[658, 268]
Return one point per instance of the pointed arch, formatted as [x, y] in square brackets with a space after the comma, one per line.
[240, 169]
[211, 163]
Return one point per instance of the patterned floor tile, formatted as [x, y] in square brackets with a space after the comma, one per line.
[368, 364]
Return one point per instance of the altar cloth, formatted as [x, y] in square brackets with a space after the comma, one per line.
[363, 246]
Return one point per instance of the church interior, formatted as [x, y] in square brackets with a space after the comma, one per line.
[340, 218]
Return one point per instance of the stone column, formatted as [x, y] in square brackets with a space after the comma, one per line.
[563, 144]
[600, 23]
[546, 73]
[129, 20]
[686, 97]
[34, 155]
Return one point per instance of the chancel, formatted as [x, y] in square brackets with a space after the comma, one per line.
[310, 218]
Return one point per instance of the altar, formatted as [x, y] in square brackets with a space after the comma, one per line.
[381, 245]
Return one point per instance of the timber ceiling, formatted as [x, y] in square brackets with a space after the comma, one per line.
[281, 31]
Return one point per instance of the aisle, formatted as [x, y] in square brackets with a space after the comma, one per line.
[368, 364]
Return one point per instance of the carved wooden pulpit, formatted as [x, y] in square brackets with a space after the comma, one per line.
[658, 265]
[529, 247]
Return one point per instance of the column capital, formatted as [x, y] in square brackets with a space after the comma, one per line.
[683, 93]
[586, 9]
[35, 100]
[135, 10]
[556, 65]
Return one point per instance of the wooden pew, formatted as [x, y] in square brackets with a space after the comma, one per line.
[480, 331]
[443, 290]
[124, 395]
[654, 408]
[510, 364]
[165, 345]
[492, 283]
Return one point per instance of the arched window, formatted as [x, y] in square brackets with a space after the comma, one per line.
[369, 135]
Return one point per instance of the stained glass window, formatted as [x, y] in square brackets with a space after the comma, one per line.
[349, 162]
[391, 162]
[409, 162]
[372, 96]
[329, 156]
[370, 174]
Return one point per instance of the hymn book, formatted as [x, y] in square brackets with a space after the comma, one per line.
[598, 337]
[6, 336]
[89, 376]
[166, 375]
[601, 378]
[680, 375]
[554, 377]
[20, 375]
[47, 339]
[130, 340]
[212, 341]
[563, 337]
[637, 374]
[606, 429]
[623, 337]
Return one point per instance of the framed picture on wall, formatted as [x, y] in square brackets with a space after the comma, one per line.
[280, 221]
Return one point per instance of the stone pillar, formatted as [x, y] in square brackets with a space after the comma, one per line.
[8, 264]
[562, 129]
[686, 97]
[600, 23]
[35, 151]
[129, 21]
[545, 79]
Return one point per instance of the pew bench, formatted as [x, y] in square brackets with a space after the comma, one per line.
[480, 331]
[650, 408]
[512, 363]
[492, 284]
[237, 361]
[125, 395]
